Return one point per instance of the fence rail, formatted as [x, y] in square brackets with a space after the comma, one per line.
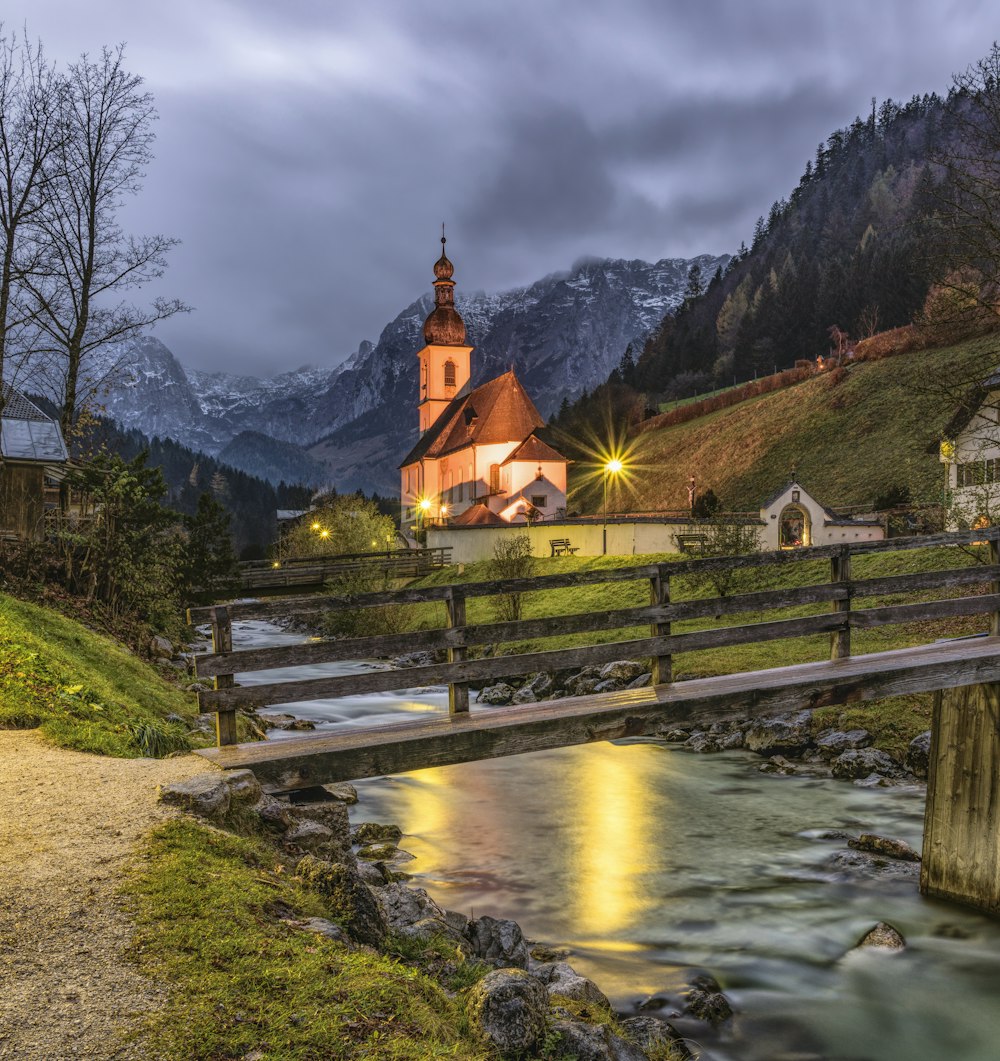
[841, 591]
[315, 570]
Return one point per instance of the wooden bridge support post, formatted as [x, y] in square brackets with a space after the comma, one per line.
[659, 596]
[458, 692]
[222, 641]
[961, 853]
[840, 571]
[994, 558]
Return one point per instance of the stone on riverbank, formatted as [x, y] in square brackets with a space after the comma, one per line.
[918, 754]
[622, 670]
[705, 1001]
[498, 941]
[861, 762]
[497, 695]
[833, 743]
[778, 764]
[343, 791]
[351, 901]
[781, 735]
[374, 832]
[592, 1042]
[563, 979]
[206, 795]
[882, 937]
[509, 1009]
[650, 1033]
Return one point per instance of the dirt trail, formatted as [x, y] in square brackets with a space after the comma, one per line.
[69, 824]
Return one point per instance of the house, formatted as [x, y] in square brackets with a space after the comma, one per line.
[33, 458]
[478, 447]
[793, 518]
[970, 452]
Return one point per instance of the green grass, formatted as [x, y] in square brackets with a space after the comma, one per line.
[850, 435]
[211, 912]
[83, 690]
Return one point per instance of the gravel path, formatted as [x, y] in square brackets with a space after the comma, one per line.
[69, 823]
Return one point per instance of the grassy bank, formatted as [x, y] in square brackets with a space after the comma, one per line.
[82, 689]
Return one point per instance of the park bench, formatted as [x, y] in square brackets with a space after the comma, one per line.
[561, 547]
[691, 543]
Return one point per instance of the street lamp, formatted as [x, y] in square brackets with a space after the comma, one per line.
[611, 467]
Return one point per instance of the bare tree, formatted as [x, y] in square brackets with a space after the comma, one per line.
[29, 135]
[90, 262]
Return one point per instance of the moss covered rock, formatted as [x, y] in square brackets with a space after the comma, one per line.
[348, 898]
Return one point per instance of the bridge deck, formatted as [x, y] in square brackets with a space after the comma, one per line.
[487, 733]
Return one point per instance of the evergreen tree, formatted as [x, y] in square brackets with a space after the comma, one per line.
[209, 565]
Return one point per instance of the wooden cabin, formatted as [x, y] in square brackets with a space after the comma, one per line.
[33, 459]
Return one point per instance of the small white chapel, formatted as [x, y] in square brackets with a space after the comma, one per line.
[478, 461]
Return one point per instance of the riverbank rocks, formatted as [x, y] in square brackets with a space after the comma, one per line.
[375, 832]
[412, 912]
[352, 903]
[778, 764]
[882, 937]
[862, 762]
[621, 670]
[650, 1033]
[496, 695]
[498, 941]
[832, 743]
[284, 721]
[562, 979]
[788, 735]
[592, 1042]
[918, 754]
[342, 791]
[864, 865]
[161, 648]
[211, 795]
[705, 1001]
[883, 845]
[509, 1009]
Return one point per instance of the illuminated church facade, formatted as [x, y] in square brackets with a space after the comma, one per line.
[479, 460]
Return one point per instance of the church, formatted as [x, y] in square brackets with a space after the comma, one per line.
[479, 460]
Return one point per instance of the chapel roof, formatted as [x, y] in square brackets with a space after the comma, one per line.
[534, 450]
[497, 411]
[477, 516]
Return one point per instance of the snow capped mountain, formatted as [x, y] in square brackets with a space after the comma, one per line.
[563, 334]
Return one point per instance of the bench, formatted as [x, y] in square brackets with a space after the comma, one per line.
[561, 547]
[691, 543]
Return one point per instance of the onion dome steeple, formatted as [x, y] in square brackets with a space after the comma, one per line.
[444, 327]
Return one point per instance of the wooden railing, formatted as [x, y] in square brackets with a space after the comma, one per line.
[660, 645]
[315, 570]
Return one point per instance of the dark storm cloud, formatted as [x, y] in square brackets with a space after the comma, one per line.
[308, 151]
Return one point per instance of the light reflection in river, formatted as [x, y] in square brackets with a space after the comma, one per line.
[648, 862]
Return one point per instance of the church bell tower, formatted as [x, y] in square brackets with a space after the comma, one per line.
[445, 360]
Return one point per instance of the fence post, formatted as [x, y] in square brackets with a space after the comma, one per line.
[840, 571]
[994, 555]
[222, 641]
[458, 692]
[659, 594]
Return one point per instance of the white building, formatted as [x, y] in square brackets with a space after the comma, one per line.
[793, 518]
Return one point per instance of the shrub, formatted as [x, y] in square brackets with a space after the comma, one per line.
[511, 559]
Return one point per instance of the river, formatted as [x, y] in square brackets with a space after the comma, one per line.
[647, 862]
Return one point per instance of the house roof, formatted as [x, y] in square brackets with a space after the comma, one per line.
[497, 411]
[28, 434]
[477, 516]
[533, 450]
[781, 489]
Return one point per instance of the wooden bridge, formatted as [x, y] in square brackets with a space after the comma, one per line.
[962, 839]
[303, 572]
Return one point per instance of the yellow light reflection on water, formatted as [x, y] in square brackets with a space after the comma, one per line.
[616, 839]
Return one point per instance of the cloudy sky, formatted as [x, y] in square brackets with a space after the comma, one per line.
[308, 151]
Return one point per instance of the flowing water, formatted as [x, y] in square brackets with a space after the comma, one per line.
[650, 862]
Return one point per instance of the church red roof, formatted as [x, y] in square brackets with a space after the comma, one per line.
[533, 450]
[478, 516]
[497, 411]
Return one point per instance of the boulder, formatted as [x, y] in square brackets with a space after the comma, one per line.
[918, 754]
[207, 795]
[876, 867]
[608, 685]
[640, 681]
[705, 1001]
[861, 762]
[403, 907]
[524, 695]
[332, 815]
[160, 647]
[883, 845]
[541, 685]
[778, 764]
[244, 788]
[702, 742]
[343, 791]
[650, 1034]
[564, 980]
[782, 735]
[350, 900]
[622, 670]
[498, 694]
[675, 736]
[834, 742]
[377, 852]
[508, 1008]
[374, 874]
[882, 937]
[310, 836]
[498, 942]
[322, 927]
[371, 832]
[274, 813]
[592, 1042]
[583, 686]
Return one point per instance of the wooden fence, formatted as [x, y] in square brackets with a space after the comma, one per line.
[840, 592]
[296, 572]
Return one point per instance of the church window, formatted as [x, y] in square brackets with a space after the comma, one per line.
[423, 378]
[539, 500]
[449, 373]
[494, 478]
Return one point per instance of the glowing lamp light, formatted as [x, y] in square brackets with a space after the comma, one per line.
[444, 510]
[315, 526]
[276, 564]
[614, 466]
[324, 534]
[425, 503]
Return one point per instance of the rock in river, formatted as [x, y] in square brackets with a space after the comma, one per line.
[883, 845]
[883, 937]
[509, 1009]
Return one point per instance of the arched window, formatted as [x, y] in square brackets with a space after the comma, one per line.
[449, 373]
[494, 478]
[794, 527]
